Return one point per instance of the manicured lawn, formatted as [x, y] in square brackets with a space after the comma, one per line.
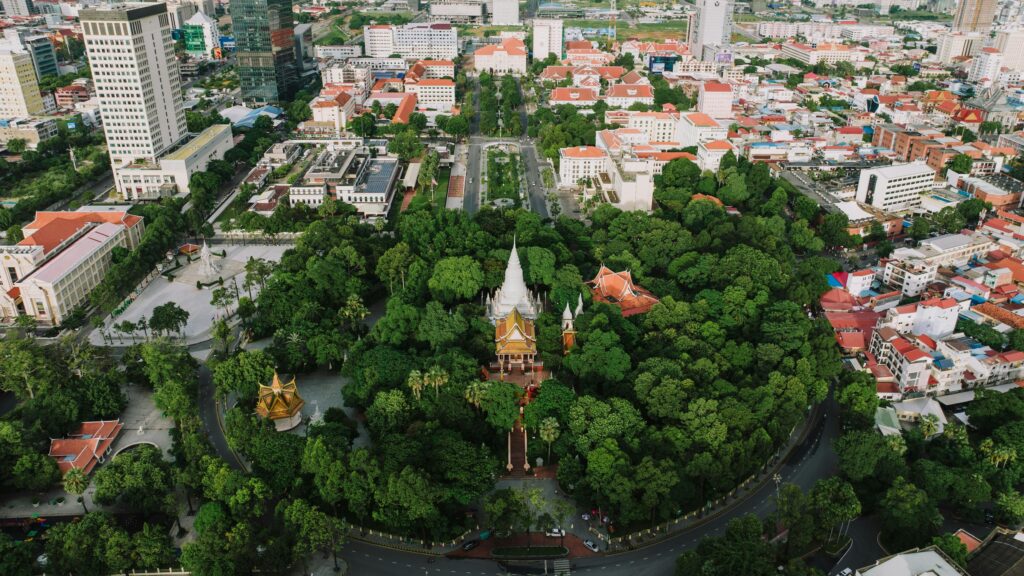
[441, 191]
[502, 175]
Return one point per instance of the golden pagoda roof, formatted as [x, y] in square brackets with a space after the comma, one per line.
[514, 334]
[279, 400]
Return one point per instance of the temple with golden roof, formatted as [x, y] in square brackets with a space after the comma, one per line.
[280, 403]
[515, 342]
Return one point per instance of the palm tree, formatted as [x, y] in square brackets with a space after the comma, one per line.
[75, 483]
[549, 432]
[435, 378]
[474, 393]
[929, 425]
[415, 382]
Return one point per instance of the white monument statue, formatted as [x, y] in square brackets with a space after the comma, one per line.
[206, 266]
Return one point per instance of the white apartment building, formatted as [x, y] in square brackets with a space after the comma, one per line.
[1010, 43]
[910, 365]
[955, 44]
[509, 57]
[826, 52]
[458, 11]
[63, 257]
[622, 180]
[19, 90]
[211, 32]
[547, 38]
[169, 176]
[334, 111]
[715, 100]
[625, 95]
[712, 30]
[710, 154]
[985, 66]
[579, 163]
[437, 41]
[697, 127]
[505, 12]
[17, 7]
[311, 195]
[437, 94]
[656, 126]
[135, 72]
[910, 270]
[338, 52]
[895, 188]
[935, 318]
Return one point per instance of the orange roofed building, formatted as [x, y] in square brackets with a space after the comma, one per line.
[85, 447]
[515, 342]
[618, 288]
[280, 403]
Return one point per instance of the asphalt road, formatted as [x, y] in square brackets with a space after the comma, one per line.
[534, 183]
[471, 191]
[812, 460]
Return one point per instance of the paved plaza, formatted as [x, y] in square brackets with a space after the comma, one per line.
[182, 290]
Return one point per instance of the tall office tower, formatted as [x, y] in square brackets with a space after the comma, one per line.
[18, 7]
[131, 54]
[39, 47]
[974, 16]
[505, 13]
[1011, 44]
[265, 49]
[547, 39]
[713, 28]
[19, 91]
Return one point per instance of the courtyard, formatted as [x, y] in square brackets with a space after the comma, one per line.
[181, 286]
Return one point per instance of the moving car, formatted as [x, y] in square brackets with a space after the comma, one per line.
[591, 546]
[470, 544]
[555, 532]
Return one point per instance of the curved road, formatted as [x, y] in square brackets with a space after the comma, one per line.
[809, 462]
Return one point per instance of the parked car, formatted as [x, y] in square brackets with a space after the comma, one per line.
[990, 517]
[555, 532]
[591, 546]
[846, 572]
[470, 544]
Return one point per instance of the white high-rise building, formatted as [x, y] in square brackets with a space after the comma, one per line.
[713, 28]
[505, 12]
[895, 188]
[19, 91]
[547, 39]
[17, 7]
[955, 44]
[136, 77]
[985, 67]
[1011, 44]
[438, 41]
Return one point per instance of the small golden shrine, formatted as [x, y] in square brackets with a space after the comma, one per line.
[515, 342]
[280, 403]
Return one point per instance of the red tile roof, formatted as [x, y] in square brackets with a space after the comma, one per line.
[83, 448]
[618, 288]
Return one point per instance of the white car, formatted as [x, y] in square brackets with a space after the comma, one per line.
[591, 546]
[555, 532]
[846, 572]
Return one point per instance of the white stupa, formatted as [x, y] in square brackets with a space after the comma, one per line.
[513, 293]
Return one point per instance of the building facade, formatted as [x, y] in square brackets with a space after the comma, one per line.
[19, 90]
[438, 41]
[974, 16]
[547, 39]
[713, 28]
[170, 175]
[509, 57]
[505, 12]
[895, 188]
[136, 77]
[265, 49]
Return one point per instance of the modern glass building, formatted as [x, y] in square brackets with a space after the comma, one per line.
[265, 49]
